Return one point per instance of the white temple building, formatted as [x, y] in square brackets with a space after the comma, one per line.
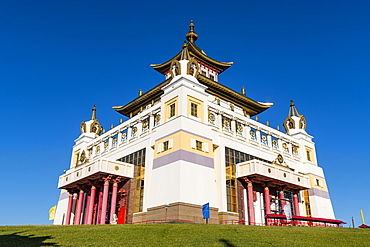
[191, 140]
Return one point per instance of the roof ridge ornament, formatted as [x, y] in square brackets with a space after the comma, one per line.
[185, 52]
[93, 114]
[191, 36]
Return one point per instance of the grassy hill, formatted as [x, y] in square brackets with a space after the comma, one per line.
[181, 235]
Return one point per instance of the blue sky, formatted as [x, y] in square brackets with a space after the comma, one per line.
[59, 58]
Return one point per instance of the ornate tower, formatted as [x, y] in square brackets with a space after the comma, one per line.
[294, 123]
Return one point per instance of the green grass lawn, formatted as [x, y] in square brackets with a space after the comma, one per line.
[181, 235]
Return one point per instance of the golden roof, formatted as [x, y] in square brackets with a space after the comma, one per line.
[193, 51]
[189, 49]
[249, 105]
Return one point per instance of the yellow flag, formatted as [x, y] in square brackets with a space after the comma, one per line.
[362, 216]
[52, 212]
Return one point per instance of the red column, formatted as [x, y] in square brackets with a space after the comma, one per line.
[114, 198]
[281, 201]
[295, 204]
[91, 205]
[105, 202]
[69, 209]
[79, 208]
[266, 193]
[98, 212]
[87, 208]
[250, 203]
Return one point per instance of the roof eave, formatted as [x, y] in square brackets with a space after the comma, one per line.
[143, 99]
[251, 106]
[196, 52]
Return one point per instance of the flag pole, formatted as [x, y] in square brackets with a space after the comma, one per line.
[362, 216]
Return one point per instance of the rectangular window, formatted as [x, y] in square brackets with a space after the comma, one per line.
[204, 73]
[165, 146]
[212, 77]
[172, 110]
[199, 145]
[194, 110]
[317, 182]
[137, 185]
[308, 155]
[307, 203]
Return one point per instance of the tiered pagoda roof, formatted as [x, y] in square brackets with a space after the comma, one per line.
[250, 106]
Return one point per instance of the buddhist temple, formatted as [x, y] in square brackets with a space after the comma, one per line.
[189, 141]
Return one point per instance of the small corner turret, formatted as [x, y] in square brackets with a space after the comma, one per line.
[89, 131]
[91, 128]
[294, 123]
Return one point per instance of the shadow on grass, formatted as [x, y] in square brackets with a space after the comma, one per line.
[14, 239]
[226, 242]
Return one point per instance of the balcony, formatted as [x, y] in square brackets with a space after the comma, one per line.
[94, 170]
[273, 174]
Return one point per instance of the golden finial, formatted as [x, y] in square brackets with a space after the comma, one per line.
[191, 36]
[243, 91]
[140, 92]
[293, 110]
[93, 115]
[184, 53]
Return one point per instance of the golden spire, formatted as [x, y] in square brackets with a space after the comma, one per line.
[93, 115]
[293, 110]
[191, 36]
[185, 53]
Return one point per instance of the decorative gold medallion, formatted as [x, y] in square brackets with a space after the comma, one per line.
[252, 133]
[145, 123]
[82, 157]
[280, 158]
[239, 127]
[232, 107]
[274, 143]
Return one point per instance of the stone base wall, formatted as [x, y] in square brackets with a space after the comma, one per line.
[228, 217]
[139, 217]
[182, 211]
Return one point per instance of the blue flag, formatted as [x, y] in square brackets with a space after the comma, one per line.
[205, 211]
